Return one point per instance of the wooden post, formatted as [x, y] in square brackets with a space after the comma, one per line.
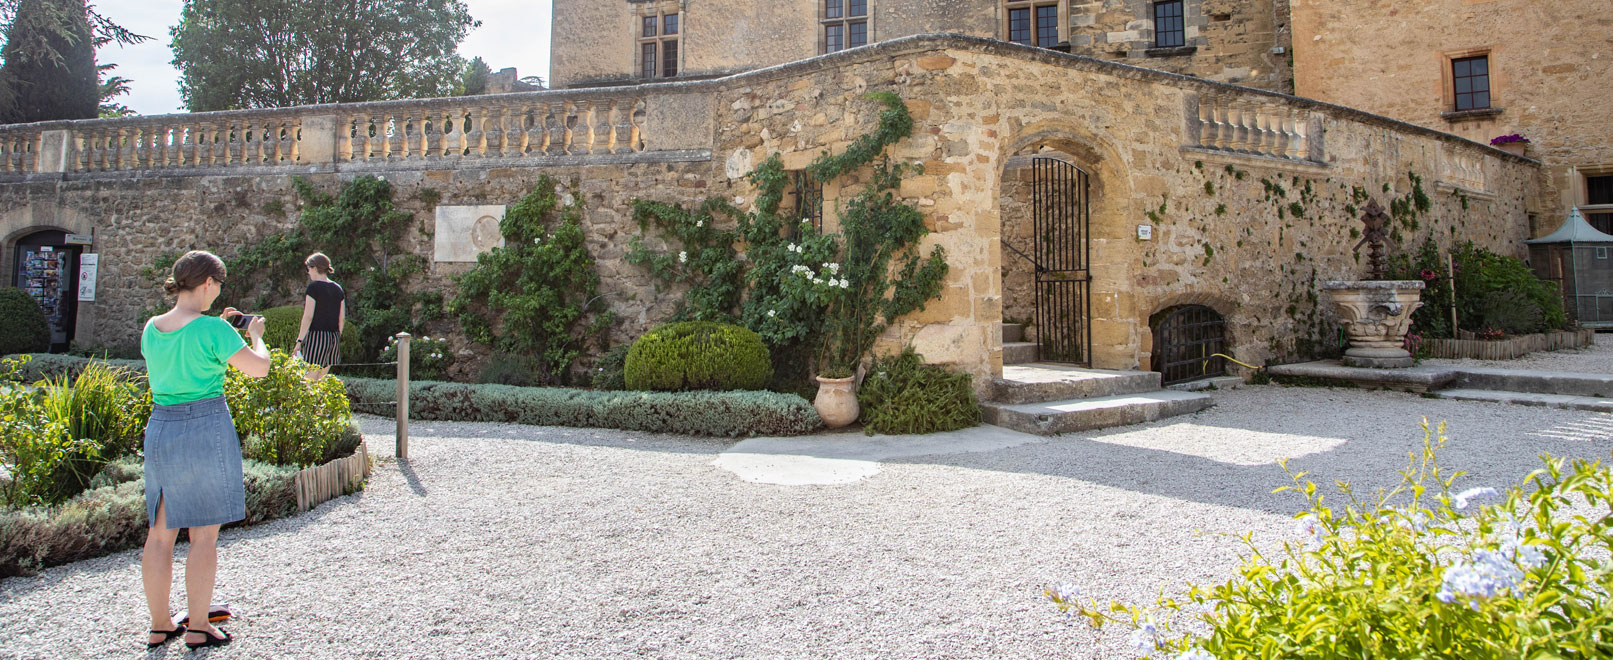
[1450, 275]
[403, 395]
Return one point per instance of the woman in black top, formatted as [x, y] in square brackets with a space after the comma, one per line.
[319, 341]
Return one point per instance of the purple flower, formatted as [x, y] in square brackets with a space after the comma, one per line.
[1508, 139]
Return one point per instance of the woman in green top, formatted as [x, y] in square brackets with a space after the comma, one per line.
[192, 455]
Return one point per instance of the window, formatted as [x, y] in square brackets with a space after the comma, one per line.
[845, 24]
[1598, 209]
[1032, 23]
[658, 45]
[1471, 75]
[1168, 28]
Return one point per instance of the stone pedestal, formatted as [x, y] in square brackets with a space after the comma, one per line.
[1376, 316]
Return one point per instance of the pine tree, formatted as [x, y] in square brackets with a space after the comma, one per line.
[49, 70]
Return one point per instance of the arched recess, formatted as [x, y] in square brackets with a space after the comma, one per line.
[1111, 319]
[1223, 333]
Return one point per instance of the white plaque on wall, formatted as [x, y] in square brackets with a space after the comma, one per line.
[466, 231]
[88, 264]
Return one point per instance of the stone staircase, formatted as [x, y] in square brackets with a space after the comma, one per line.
[1048, 399]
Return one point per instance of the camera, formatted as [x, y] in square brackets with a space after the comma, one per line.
[243, 320]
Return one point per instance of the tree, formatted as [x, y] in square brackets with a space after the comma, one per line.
[475, 79]
[271, 53]
[49, 55]
[111, 87]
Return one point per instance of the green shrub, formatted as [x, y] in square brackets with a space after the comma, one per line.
[429, 359]
[609, 374]
[282, 418]
[55, 438]
[282, 323]
[112, 518]
[345, 445]
[1417, 572]
[902, 395]
[690, 413]
[1490, 290]
[508, 369]
[698, 355]
[1511, 312]
[50, 365]
[22, 323]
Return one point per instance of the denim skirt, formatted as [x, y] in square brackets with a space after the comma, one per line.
[193, 465]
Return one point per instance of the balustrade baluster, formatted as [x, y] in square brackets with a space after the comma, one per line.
[537, 135]
[640, 109]
[622, 136]
[554, 124]
[599, 116]
[1302, 143]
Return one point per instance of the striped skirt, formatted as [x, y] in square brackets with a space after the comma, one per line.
[322, 347]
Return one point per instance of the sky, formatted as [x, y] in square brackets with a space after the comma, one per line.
[513, 33]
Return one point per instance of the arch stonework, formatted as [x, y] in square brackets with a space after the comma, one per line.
[1117, 327]
[1236, 331]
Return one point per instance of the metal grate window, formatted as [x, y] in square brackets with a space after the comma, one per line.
[1169, 31]
[1471, 76]
[808, 202]
[1187, 340]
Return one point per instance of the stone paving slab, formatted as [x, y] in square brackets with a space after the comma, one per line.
[1562, 401]
[1412, 379]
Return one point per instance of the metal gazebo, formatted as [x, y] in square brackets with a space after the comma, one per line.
[1580, 260]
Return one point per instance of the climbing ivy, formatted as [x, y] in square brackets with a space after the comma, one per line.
[535, 295]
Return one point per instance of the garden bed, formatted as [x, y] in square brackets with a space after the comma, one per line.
[1510, 348]
[112, 516]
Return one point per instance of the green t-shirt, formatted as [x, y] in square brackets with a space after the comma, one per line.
[188, 364]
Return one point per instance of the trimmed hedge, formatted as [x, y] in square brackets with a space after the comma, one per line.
[112, 517]
[729, 414]
[698, 355]
[22, 323]
[51, 365]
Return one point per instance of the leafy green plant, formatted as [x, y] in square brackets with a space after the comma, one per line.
[610, 372]
[362, 231]
[902, 395]
[507, 369]
[795, 285]
[707, 413]
[283, 419]
[429, 359]
[55, 437]
[535, 296]
[697, 355]
[22, 323]
[1511, 312]
[1417, 571]
[282, 323]
[1490, 290]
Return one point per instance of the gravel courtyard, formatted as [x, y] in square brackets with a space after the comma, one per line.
[497, 541]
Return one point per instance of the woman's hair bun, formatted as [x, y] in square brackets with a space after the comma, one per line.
[171, 286]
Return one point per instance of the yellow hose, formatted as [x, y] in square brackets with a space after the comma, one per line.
[1232, 360]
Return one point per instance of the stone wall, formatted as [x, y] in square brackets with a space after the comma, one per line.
[1250, 195]
[1227, 40]
[1549, 70]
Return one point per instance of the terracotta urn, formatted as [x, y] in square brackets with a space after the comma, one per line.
[1376, 315]
[836, 401]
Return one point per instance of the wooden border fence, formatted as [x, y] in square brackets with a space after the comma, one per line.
[1509, 348]
[319, 484]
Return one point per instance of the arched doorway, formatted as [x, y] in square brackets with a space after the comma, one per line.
[46, 267]
[1187, 341]
[1047, 275]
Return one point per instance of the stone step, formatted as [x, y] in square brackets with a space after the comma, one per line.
[1215, 383]
[1563, 401]
[1074, 415]
[1035, 383]
[1013, 333]
[1535, 382]
[1019, 352]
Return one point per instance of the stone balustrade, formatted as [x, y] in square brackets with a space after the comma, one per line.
[508, 126]
[1250, 126]
[1463, 168]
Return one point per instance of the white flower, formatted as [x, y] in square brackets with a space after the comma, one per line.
[683, 257]
[1195, 653]
[1472, 495]
[791, 247]
[833, 268]
[700, 223]
[845, 284]
[535, 240]
[771, 313]
[1309, 526]
[739, 199]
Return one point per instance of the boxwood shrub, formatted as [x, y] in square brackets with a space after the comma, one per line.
[691, 413]
[698, 355]
[280, 326]
[22, 323]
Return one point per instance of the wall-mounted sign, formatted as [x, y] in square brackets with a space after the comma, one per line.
[79, 239]
[1145, 232]
[87, 265]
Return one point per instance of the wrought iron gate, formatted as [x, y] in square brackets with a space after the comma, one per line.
[1186, 341]
[1059, 203]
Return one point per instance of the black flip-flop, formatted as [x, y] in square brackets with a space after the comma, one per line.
[212, 640]
[167, 636]
[215, 614]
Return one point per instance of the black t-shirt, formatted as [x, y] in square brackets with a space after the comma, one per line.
[328, 298]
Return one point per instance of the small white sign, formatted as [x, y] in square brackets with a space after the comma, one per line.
[88, 264]
[79, 239]
[1145, 232]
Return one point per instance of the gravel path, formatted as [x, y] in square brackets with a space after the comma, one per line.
[498, 541]
[1596, 358]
